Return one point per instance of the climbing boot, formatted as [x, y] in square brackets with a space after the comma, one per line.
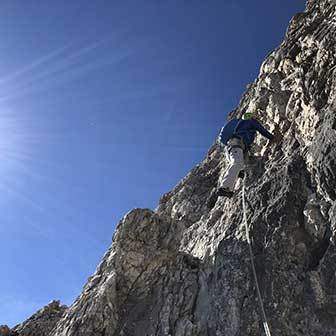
[225, 192]
[215, 193]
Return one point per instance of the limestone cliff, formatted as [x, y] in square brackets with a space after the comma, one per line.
[184, 270]
[39, 324]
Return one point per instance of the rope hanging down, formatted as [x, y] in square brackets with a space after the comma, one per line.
[264, 319]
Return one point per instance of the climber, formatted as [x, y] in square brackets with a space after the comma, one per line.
[237, 136]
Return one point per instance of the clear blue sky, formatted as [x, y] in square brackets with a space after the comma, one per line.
[104, 106]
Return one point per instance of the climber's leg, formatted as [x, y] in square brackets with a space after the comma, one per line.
[236, 165]
[235, 156]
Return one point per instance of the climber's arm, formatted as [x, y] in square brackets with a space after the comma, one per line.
[263, 131]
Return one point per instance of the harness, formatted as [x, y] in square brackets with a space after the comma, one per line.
[236, 141]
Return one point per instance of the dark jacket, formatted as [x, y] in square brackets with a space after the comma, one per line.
[247, 129]
[244, 129]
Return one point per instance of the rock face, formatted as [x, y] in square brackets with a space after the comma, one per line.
[42, 322]
[184, 270]
[6, 331]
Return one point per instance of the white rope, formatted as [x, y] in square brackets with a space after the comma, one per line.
[261, 304]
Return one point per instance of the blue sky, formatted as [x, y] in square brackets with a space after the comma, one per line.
[105, 106]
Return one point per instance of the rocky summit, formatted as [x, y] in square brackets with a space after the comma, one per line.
[40, 324]
[184, 269]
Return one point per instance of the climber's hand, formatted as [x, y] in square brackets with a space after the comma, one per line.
[277, 136]
[274, 144]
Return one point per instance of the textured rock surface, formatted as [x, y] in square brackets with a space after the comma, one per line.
[6, 331]
[183, 270]
[42, 322]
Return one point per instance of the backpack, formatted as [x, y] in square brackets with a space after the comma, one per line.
[228, 130]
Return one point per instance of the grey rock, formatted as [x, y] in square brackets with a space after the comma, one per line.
[42, 322]
[6, 331]
[184, 270]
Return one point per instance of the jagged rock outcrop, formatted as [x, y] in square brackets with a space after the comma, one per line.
[42, 322]
[184, 270]
[6, 331]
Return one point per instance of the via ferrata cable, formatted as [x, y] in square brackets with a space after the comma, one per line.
[261, 304]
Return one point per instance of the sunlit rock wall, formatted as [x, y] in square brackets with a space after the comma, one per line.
[184, 270]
